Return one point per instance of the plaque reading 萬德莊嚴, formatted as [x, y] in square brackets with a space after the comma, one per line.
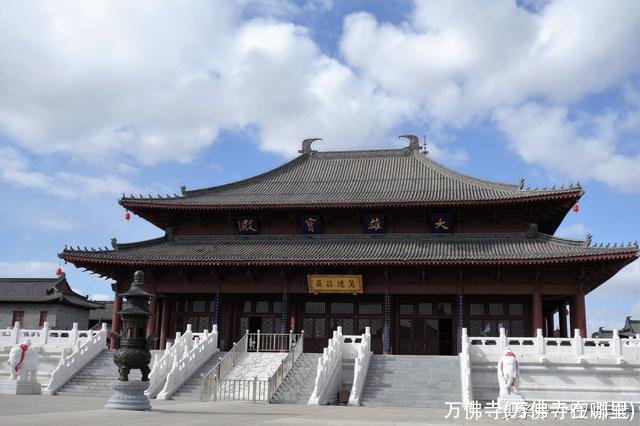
[335, 283]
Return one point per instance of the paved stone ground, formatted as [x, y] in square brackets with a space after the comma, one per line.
[69, 410]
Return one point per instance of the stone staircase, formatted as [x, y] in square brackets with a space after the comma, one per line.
[96, 377]
[260, 365]
[190, 390]
[412, 381]
[298, 383]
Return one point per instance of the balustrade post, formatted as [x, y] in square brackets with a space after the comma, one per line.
[577, 342]
[15, 333]
[290, 338]
[502, 339]
[464, 346]
[539, 342]
[255, 383]
[258, 341]
[616, 345]
[45, 333]
[74, 334]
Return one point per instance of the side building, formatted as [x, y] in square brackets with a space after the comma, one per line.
[34, 301]
[387, 239]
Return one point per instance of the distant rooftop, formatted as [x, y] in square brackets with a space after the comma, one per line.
[42, 290]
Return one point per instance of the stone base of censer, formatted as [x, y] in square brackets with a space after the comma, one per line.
[129, 395]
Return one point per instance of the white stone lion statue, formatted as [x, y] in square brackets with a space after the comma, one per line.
[23, 363]
[508, 374]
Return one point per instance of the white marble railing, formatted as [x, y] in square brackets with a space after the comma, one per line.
[192, 359]
[329, 370]
[78, 359]
[575, 349]
[162, 363]
[295, 349]
[361, 367]
[465, 371]
[52, 339]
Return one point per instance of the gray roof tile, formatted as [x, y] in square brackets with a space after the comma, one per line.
[42, 290]
[348, 249]
[373, 177]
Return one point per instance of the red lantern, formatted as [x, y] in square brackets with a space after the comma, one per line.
[127, 215]
[575, 208]
[59, 272]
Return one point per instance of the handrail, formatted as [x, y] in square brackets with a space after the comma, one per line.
[204, 348]
[77, 360]
[162, 364]
[215, 385]
[540, 348]
[53, 339]
[222, 368]
[286, 364]
[328, 370]
[361, 367]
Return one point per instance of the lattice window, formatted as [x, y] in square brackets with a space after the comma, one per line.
[319, 331]
[342, 308]
[370, 309]
[278, 326]
[198, 306]
[267, 325]
[444, 308]
[277, 307]
[475, 328]
[496, 309]
[247, 306]
[406, 309]
[374, 324]
[517, 328]
[314, 308]
[490, 328]
[307, 326]
[262, 307]
[476, 309]
[515, 309]
[425, 309]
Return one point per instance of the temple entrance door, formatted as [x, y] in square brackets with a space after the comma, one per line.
[419, 336]
[255, 324]
[315, 334]
[424, 326]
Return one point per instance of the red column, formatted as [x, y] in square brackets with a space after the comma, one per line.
[536, 307]
[163, 325]
[581, 316]
[151, 324]
[115, 319]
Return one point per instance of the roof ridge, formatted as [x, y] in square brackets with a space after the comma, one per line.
[279, 169]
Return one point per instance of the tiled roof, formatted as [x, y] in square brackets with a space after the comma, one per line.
[349, 249]
[42, 290]
[375, 177]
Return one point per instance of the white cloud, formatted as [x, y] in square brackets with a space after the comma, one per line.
[15, 169]
[113, 81]
[577, 231]
[581, 148]
[101, 297]
[28, 269]
[56, 224]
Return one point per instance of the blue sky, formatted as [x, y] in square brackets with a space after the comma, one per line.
[105, 97]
